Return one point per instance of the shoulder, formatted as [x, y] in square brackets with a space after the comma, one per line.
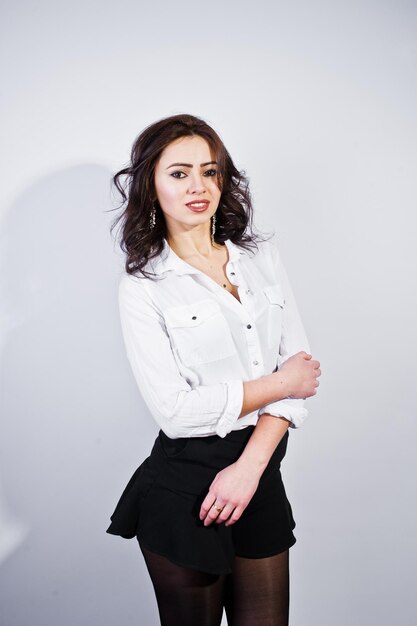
[268, 260]
[133, 292]
[267, 252]
[131, 284]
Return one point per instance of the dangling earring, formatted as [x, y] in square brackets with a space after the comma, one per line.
[152, 219]
[213, 224]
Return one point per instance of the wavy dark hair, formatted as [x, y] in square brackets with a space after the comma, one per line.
[135, 183]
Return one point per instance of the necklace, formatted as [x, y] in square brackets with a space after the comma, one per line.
[214, 270]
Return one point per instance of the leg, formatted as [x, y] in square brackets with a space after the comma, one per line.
[185, 596]
[257, 591]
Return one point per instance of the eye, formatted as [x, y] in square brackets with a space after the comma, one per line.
[214, 172]
[177, 172]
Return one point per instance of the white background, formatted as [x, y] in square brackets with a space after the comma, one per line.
[316, 101]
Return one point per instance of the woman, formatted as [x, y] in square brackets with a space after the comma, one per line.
[220, 356]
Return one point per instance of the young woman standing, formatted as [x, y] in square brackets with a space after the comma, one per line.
[220, 356]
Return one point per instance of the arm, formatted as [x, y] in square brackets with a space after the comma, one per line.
[179, 409]
[236, 484]
[293, 340]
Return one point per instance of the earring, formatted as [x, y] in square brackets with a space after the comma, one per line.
[152, 219]
[213, 224]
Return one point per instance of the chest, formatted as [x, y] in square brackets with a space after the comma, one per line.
[216, 270]
[220, 277]
[210, 329]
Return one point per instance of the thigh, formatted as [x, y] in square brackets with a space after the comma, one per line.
[185, 596]
[257, 591]
[266, 525]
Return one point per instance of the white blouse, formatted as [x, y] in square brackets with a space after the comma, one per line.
[191, 344]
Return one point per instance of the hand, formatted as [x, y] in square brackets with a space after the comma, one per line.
[301, 373]
[231, 490]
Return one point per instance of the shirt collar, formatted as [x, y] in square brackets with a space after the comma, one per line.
[168, 260]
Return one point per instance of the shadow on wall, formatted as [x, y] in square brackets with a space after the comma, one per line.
[73, 425]
[58, 260]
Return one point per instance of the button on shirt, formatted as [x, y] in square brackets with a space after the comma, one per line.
[191, 344]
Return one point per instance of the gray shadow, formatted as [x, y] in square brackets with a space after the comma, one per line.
[69, 428]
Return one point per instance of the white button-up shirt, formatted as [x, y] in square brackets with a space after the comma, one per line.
[191, 344]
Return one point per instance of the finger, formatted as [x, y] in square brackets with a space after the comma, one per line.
[235, 516]
[213, 513]
[210, 517]
[206, 505]
[226, 513]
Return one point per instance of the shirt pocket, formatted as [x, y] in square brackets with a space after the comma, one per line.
[275, 306]
[200, 332]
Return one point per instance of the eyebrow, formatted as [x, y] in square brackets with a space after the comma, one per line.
[190, 164]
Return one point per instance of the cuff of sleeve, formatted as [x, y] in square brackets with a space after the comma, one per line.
[290, 408]
[235, 394]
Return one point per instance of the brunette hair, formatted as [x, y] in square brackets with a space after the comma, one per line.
[140, 242]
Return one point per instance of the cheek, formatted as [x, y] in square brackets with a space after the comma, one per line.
[168, 193]
[214, 189]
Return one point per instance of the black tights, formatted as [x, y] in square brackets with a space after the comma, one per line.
[256, 593]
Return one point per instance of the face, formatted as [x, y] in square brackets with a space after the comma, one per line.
[187, 173]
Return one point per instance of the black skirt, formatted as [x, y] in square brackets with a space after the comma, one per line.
[160, 505]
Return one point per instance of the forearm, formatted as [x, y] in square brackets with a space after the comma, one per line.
[262, 391]
[267, 434]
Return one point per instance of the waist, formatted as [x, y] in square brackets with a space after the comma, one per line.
[188, 463]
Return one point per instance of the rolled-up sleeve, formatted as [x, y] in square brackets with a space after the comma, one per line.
[293, 340]
[179, 409]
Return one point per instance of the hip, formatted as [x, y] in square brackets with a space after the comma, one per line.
[189, 464]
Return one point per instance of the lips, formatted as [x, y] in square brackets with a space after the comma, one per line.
[195, 204]
[198, 207]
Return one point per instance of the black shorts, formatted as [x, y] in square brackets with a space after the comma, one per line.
[160, 505]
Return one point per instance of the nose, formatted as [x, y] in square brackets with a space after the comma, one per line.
[196, 184]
